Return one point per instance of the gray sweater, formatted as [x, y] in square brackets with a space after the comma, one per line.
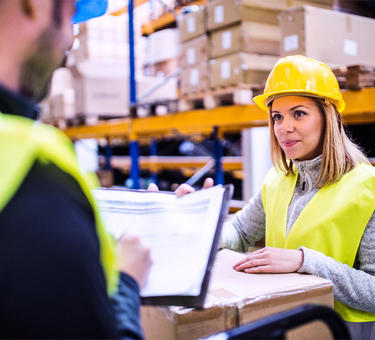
[353, 286]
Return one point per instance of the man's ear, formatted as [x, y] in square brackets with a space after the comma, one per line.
[28, 8]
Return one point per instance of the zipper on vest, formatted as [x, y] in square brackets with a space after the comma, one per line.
[303, 185]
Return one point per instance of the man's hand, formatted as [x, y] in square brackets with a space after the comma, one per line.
[134, 258]
[184, 189]
[271, 260]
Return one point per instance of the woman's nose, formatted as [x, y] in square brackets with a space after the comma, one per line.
[288, 125]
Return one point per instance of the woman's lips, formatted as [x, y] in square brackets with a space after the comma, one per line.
[289, 143]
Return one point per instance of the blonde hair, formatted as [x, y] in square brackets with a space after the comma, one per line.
[339, 155]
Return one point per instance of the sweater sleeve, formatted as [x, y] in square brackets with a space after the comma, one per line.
[247, 226]
[353, 287]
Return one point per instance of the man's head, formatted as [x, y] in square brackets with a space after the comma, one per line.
[35, 36]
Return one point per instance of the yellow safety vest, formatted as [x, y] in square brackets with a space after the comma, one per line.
[333, 221]
[22, 143]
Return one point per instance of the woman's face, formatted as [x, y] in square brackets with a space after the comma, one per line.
[298, 126]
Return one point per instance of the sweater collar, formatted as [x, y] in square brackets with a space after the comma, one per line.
[309, 169]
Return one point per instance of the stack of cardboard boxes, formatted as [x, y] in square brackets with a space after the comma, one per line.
[245, 38]
[240, 39]
[336, 38]
[244, 42]
[194, 56]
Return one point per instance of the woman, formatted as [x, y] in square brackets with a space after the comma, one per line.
[316, 206]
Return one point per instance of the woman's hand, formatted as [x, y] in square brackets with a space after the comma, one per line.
[184, 189]
[271, 260]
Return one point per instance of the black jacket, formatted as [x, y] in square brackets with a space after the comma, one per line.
[51, 280]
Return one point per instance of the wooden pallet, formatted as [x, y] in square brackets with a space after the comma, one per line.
[222, 96]
[355, 77]
[155, 108]
[79, 120]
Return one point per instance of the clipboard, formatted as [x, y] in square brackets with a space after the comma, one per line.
[188, 300]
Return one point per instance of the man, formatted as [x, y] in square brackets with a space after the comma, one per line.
[57, 263]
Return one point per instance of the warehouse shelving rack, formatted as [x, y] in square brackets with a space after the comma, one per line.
[360, 109]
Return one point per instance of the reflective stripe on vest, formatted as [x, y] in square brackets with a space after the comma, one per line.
[332, 222]
[22, 143]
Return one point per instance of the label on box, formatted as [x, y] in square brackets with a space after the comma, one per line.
[226, 40]
[194, 77]
[190, 24]
[225, 69]
[219, 14]
[291, 43]
[190, 56]
[350, 47]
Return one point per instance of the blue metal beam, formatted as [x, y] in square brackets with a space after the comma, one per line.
[218, 154]
[134, 147]
[134, 169]
[154, 152]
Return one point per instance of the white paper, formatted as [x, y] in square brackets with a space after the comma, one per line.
[179, 231]
[291, 43]
[226, 40]
[219, 14]
[190, 56]
[225, 69]
[351, 47]
[194, 76]
[190, 23]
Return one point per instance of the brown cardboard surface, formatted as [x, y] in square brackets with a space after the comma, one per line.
[221, 13]
[233, 69]
[285, 4]
[192, 25]
[331, 37]
[236, 298]
[194, 79]
[194, 51]
[246, 36]
[272, 293]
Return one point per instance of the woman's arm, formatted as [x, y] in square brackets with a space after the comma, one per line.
[354, 287]
[247, 227]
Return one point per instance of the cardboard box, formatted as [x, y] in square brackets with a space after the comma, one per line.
[101, 89]
[246, 36]
[236, 298]
[234, 69]
[194, 51]
[163, 45]
[329, 36]
[194, 79]
[282, 5]
[221, 13]
[192, 25]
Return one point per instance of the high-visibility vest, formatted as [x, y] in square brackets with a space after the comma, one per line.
[332, 222]
[22, 143]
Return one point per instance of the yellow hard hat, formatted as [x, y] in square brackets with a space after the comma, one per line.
[299, 75]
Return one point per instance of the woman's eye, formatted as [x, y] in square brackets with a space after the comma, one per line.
[299, 113]
[276, 117]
